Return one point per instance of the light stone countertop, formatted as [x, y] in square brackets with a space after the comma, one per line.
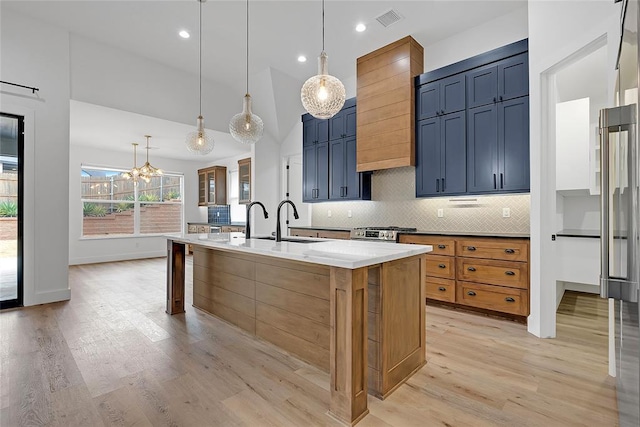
[349, 254]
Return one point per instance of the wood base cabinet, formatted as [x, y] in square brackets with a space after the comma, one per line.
[489, 273]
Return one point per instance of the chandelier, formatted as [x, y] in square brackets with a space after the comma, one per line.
[246, 127]
[199, 141]
[323, 95]
[146, 172]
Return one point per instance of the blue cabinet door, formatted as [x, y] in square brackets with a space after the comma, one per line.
[343, 124]
[336, 169]
[453, 164]
[482, 86]
[323, 130]
[452, 94]
[428, 102]
[309, 173]
[353, 188]
[428, 158]
[482, 149]
[322, 156]
[513, 144]
[309, 132]
[513, 77]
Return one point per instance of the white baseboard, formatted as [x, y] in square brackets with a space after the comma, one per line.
[49, 297]
[117, 257]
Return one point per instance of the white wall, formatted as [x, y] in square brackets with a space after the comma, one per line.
[266, 183]
[556, 31]
[492, 34]
[89, 250]
[114, 78]
[27, 48]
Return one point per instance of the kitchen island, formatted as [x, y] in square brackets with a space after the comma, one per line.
[353, 309]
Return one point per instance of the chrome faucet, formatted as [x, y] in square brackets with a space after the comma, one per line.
[295, 215]
[247, 228]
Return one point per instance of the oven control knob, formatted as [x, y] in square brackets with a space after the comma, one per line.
[383, 234]
[360, 233]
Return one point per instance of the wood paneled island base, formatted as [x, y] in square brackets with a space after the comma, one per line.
[365, 326]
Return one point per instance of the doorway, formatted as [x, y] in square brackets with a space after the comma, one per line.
[11, 212]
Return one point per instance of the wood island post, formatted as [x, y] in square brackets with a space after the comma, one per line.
[348, 347]
[175, 276]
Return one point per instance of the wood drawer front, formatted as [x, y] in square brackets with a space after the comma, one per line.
[192, 229]
[505, 249]
[441, 289]
[326, 234]
[441, 244]
[501, 273]
[497, 298]
[441, 266]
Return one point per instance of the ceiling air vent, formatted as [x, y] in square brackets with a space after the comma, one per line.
[389, 17]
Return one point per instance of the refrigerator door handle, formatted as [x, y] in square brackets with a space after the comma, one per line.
[625, 288]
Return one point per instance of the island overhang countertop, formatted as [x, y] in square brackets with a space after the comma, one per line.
[349, 254]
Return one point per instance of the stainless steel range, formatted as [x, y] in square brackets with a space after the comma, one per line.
[381, 234]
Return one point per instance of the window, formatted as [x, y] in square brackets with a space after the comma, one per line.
[113, 206]
[237, 211]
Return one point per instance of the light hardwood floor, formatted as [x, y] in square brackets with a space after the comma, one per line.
[111, 356]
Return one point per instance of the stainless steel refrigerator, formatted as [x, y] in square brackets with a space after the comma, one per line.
[620, 215]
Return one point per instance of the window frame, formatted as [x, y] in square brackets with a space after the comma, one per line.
[137, 204]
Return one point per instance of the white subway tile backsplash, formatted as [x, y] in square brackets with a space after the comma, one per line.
[394, 203]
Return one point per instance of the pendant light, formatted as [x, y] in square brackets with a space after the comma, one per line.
[147, 171]
[134, 172]
[322, 95]
[200, 142]
[246, 127]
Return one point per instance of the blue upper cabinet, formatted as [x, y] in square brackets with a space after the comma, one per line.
[498, 147]
[501, 81]
[483, 147]
[441, 97]
[513, 77]
[329, 158]
[440, 160]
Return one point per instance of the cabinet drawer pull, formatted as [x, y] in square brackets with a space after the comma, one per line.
[442, 266]
[442, 246]
[494, 99]
[509, 251]
[471, 293]
[471, 248]
[509, 273]
[471, 268]
[509, 299]
[442, 289]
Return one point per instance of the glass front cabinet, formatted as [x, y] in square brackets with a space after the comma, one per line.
[212, 186]
[244, 181]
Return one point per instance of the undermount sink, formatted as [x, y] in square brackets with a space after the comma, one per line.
[288, 239]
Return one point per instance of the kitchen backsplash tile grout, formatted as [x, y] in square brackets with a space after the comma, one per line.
[394, 203]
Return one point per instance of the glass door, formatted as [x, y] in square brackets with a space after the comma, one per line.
[11, 173]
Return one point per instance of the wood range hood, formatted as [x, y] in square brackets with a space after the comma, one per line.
[386, 105]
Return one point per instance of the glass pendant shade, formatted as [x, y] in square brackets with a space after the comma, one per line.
[246, 127]
[323, 95]
[200, 142]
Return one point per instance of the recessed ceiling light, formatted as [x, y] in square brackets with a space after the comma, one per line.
[184, 34]
[361, 27]
[302, 58]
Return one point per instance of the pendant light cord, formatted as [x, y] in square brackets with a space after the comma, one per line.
[200, 54]
[147, 136]
[247, 47]
[323, 25]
